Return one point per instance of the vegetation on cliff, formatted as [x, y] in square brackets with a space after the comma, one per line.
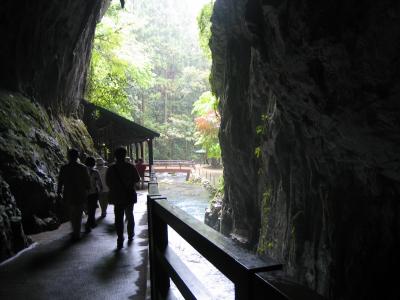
[33, 144]
[207, 123]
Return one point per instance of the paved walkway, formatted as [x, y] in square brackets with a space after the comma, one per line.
[55, 268]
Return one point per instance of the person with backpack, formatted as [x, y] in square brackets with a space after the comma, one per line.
[93, 194]
[121, 179]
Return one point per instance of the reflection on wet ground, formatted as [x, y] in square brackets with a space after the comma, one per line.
[56, 268]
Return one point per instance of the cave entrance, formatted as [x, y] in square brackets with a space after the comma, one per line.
[150, 65]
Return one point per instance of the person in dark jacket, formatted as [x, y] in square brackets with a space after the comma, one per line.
[73, 184]
[121, 179]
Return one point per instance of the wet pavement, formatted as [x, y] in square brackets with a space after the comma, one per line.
[56, 268]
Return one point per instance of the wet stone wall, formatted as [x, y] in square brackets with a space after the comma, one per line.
[45, 49]
[310, 136]
[33, 145]
[44, 58]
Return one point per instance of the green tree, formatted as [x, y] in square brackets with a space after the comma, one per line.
[147, 65]
[205, 108]
[207, 124]
[168, 32]
[204, 23]
[112, 77]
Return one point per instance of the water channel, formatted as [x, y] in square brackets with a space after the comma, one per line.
[193, 199]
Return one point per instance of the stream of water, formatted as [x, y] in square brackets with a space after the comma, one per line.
[193, 199]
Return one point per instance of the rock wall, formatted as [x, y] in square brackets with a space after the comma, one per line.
[12, 236]
[310, 137]
[45, 48]
[44, 56]
[33, 145]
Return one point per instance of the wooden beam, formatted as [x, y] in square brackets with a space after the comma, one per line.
[186, 281]
[151, 158]
[141, 150]
[137, 150]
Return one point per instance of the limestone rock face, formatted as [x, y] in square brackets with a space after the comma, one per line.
[310, 137]
[45, 48]
[33, 146]
[44, 57]
[12, 237]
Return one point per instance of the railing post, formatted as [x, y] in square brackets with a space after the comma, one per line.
[158, 241]
[242, 288]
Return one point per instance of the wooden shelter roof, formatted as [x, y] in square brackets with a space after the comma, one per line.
[105, 126]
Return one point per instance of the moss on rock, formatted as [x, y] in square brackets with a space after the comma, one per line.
[12, 238]
[265, 209]
[33, 145]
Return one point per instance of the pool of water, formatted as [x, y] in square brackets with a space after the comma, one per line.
[193, 199]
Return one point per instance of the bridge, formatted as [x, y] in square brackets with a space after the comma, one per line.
[174, 166]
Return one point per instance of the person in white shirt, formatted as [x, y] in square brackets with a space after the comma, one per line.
[93, 195]
[103, 196]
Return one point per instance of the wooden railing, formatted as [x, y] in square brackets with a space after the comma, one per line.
[178, 163]
[246, 270]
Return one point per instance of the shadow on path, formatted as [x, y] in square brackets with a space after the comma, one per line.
[91, 268]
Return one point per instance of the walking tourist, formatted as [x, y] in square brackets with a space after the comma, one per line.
[121, 179]
[103, 195]
[141, 167]
[93, 195]
[73, 185]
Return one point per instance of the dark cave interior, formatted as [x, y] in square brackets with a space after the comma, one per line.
[322, 78]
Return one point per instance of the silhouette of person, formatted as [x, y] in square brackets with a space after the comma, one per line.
[82, 157]
[141, 169]
[73, 184]
[121, 179]
[93, 194]
[103, 196]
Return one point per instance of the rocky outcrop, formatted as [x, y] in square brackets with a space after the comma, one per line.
[33, 145]
[12, 236]
[309, 98]
[45, 49]
[44, 57]
[212, 215]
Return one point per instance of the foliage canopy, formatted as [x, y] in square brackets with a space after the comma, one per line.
[147, 65]
[204, 23]
[207, 124]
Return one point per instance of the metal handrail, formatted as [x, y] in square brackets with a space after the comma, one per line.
[242, 267]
